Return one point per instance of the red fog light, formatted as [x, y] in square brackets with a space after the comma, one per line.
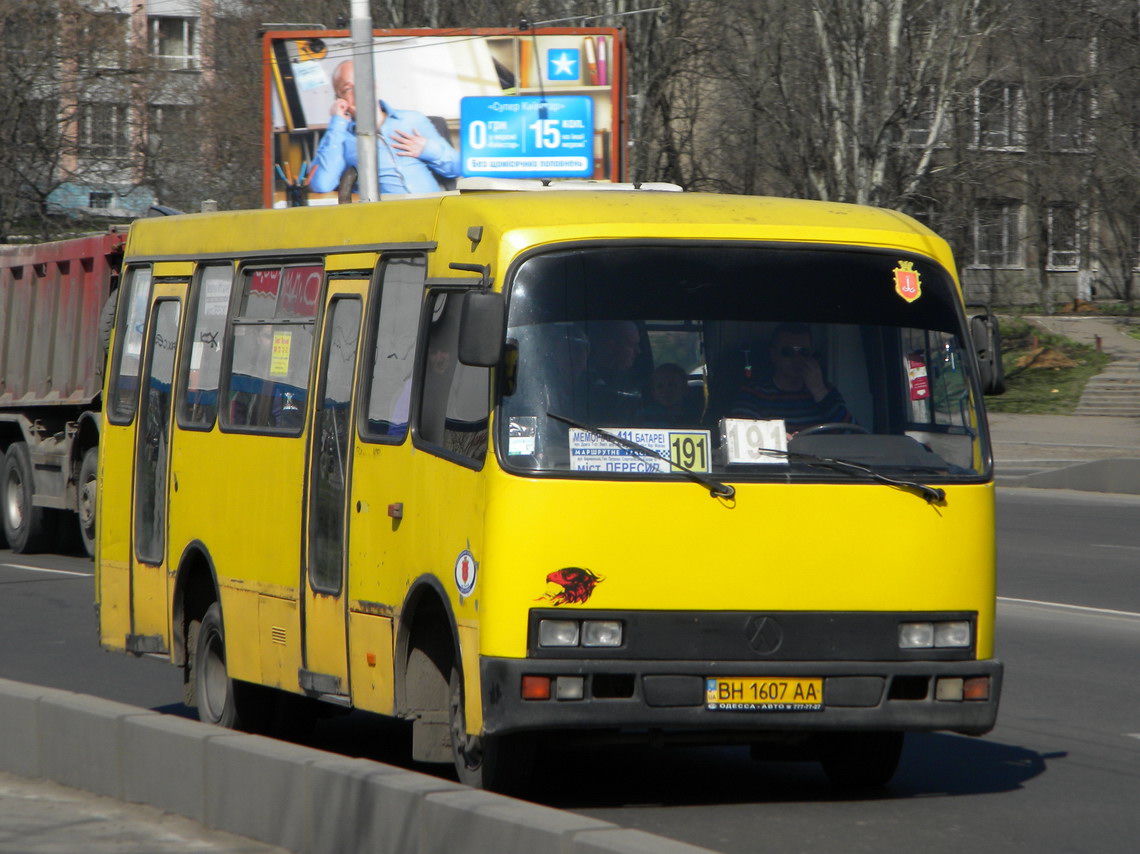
[977, 688]
[536, 687]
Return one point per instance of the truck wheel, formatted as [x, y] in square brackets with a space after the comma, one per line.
[221, 700]
[88, 471]
[499, 763]
[23, 522]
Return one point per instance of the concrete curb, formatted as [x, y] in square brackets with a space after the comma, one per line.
[1116, 475]
[305, 800]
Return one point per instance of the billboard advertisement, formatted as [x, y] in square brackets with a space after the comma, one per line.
[544, 103]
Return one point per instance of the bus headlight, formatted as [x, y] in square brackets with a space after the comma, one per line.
[558, 633]
[941, 635]
[601, 633]
[916, 635]
[956, 633]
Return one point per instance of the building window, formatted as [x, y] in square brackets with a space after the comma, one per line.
[999, 116]
[924, 211]
[169, 124]
[1068, 112]
[1063, 229]
[105, 40]
[173, 42]
[997, 233]
[921, 122]
[99, 200]
[103, 130]
[39, 125]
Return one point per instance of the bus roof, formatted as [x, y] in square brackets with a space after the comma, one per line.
[526, 219]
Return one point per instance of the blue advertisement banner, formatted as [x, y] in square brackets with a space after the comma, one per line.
[527, 136]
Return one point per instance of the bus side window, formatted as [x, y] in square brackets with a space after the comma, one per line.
[393, 339]
[198, 404]
[272, 348]
[455, 397]
[134, 298]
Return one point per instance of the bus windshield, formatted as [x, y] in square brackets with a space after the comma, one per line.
[749, 362]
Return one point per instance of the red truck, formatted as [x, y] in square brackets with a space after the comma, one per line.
[54, 314]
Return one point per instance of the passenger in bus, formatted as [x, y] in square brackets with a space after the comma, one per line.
[410, 151]
[670, 403]
[795, 390]
[615, 389]
[438, 364]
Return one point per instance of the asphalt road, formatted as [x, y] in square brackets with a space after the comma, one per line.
[1060, 773]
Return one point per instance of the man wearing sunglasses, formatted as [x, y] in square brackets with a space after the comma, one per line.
[795, 391]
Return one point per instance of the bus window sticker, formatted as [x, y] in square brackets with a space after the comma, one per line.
[908, 285]
[522, 432]
[282, 345]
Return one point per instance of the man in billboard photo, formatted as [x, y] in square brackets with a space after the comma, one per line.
[411, 153]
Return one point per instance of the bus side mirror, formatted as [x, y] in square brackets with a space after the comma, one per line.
[481, 327]
[987, 344]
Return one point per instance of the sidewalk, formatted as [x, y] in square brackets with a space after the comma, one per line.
[1099, 453]
[41, 817]
[1116, 390]
[1087, 329]
[1093, 453]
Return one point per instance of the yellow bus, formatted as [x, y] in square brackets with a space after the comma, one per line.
[633, 464]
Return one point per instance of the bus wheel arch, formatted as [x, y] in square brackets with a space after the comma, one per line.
[427, 649]
[195, 589]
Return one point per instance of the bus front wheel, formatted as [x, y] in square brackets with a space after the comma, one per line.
[222, 700]
[861, 759]
[498, 763]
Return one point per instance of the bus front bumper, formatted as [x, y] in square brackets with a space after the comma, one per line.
[587, 694]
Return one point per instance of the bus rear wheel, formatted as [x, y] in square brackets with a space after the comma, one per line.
[861, 759]
[23, 522]
[221, 700]
[498, 763]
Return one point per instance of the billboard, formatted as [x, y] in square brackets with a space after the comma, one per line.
[544, 103]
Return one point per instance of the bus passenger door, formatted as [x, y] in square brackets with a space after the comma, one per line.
[325, 624]
[149, 611]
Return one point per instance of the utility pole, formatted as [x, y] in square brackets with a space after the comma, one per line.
[366, 169]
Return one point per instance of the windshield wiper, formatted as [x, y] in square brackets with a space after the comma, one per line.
[715, 487]
[932, 494]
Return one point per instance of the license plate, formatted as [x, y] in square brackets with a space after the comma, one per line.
[764, 695]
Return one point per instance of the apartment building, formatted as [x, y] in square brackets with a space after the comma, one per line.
[122, 99]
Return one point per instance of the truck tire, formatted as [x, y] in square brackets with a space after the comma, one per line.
[87, 500]
[23, 523]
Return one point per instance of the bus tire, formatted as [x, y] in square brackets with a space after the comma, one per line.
[861, 759]
[499, 763]
[23, 522]
[87, 499]
[221, 700]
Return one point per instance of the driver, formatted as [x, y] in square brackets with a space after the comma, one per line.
[795, 391]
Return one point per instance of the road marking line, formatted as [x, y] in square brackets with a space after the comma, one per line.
[45, 569]
[1113, 546]
[1133, 734]
[1065, 607]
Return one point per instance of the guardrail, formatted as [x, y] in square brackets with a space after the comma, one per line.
[305, 800]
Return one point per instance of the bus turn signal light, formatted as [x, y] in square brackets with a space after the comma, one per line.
[536, 687]
[977, 688]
